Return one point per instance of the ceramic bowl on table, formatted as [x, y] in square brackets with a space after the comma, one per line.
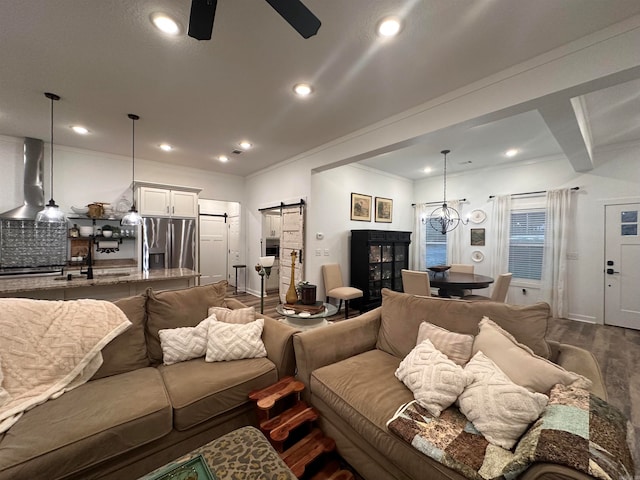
[439, 268]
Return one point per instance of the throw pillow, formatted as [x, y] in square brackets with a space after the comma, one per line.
[519, 363]
[239, 315]
[497, 407]
[179, 308]
[184, 343]
[229, 341]
[434, 380]
[456, 346]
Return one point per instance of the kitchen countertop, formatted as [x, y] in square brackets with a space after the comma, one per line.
[102, 276]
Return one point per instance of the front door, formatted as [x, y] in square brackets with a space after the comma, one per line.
[622, 265]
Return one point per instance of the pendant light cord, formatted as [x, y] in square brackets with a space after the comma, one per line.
[133, 118]
[52, 97]
[444, 152]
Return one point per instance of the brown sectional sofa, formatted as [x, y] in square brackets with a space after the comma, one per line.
[348, 370]
[136, 414]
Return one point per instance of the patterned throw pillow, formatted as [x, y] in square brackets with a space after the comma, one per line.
[434, 380]
[239, 315]
[519, 363]
[229, 341]
[497, 407]
[184, 343]
[456, 346]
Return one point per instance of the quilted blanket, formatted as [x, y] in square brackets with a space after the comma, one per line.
[50, 347]
[577, 429]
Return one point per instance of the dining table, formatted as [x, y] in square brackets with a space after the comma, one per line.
[448, 282]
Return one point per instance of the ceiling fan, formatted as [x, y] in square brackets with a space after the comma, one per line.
[293, 11]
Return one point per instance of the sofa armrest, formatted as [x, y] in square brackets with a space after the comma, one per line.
[326, 345]
[582, 362]
[278, 340]
[233, 304]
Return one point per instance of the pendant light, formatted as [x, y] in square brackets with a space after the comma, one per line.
[51, 213]
[444, 219]
[132, 218]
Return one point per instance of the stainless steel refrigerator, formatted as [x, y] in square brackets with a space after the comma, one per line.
[168, 243]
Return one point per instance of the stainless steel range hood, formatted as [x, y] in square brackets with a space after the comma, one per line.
[33, 193]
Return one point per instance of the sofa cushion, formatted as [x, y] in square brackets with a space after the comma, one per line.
[435, 380]
[519, 363]
[88, 425]
[456, 346]
[128, 351]
[200, 390]
[179, 308]
[497, 407]
[402, 315]
[239, 315]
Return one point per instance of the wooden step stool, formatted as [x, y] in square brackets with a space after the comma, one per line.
[289, 424]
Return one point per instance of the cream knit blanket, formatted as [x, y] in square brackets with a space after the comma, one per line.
[50, 347]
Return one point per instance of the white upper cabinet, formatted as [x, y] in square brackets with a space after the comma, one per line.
[162, 202]
[272, 226]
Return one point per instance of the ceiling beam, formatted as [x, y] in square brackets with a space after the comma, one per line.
[564, 122]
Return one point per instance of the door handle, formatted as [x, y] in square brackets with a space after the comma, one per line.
[611, 271]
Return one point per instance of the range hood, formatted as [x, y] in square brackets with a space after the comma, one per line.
[33, 191]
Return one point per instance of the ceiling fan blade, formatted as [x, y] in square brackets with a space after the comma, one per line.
[201, 19]
[297, 15]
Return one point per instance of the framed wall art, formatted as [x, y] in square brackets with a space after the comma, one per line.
[360, 207]
[477, 236]
[384, 210]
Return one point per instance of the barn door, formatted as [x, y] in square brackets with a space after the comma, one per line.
[291, 239]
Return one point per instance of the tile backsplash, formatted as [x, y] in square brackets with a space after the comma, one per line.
[27, 243]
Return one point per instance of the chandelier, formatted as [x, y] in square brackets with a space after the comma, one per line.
[444, 219]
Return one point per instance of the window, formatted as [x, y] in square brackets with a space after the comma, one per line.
[436, 246]
[526, 243]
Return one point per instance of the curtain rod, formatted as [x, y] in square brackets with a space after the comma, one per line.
[532, 193]
[436, 203]
[282, 205]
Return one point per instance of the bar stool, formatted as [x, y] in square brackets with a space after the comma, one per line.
[245, 277]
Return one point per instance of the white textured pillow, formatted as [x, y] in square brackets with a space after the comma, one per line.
[228, 341]
[456, 346]
[239, 315]
[497, 407]
[184, 343]
[519, 363]
[434, 380]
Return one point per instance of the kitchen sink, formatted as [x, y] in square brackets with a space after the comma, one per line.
[76, 276]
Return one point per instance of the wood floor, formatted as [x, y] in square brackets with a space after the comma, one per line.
[617, 350]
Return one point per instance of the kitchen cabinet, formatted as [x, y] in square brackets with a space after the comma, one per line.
[161, 202]
[377, 260]
[272, 226]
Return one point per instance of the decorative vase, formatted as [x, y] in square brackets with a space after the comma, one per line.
[292, 296]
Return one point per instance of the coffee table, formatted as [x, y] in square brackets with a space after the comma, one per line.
[244, 453]
[304, 322]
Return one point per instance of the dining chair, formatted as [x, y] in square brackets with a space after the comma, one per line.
[334, 287]
[499, 293]
[416, 283]
[462, 268]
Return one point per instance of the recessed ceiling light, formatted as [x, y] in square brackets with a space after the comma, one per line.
[80, 129]
[245, 145]
[166, 147]
[165, 24]
[427, 170]
[389, 27]
[303, 89]
[223, 158]
[512, 152]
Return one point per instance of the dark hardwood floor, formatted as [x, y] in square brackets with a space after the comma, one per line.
[617, 350]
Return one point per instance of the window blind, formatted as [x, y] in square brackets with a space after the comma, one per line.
[526, 244]
[436, 250]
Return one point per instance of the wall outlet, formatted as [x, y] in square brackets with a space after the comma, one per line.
[318, 252]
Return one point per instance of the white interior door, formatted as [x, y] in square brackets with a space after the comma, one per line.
[622, 265]
[291, 238]
[213, 249]
[234, 253]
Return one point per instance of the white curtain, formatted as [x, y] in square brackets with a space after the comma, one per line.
[455, 238]
[556, 240]
[499, 234]
[419, 250]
